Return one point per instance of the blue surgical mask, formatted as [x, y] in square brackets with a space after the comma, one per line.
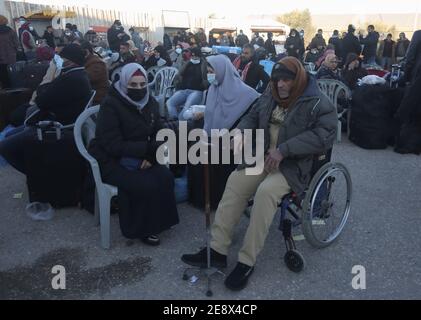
[58, 61]
[178, 50]
[212, 78]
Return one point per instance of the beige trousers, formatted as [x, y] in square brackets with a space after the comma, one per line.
[268, 190]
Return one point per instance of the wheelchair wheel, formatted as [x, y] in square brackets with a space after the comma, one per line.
[294, 261]
[327, 205]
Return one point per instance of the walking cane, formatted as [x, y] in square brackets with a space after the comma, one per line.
[209, 271]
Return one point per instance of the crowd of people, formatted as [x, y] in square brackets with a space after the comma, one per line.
[297, 119]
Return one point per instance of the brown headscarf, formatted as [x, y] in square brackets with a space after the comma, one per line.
[299, 85]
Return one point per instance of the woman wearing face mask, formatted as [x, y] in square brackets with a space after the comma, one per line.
[160, 58]
[125, 147]
[190, 83]
[294, 45]
[228, 100]
[177, 57]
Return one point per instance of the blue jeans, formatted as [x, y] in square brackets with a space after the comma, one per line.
[12, 148]
[183, 99]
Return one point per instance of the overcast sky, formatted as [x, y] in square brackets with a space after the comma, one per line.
[226, 7]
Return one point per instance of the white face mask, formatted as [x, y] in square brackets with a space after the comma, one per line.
[195, 61]
[58, 61]
[178, 50]
[31, 28]
[212, 78]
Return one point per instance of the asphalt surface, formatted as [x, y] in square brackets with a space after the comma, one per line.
[383, 234]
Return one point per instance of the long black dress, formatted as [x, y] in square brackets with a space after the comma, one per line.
[146, 198]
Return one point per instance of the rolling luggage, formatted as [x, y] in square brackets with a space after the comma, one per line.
[372, 123]
[54, 168]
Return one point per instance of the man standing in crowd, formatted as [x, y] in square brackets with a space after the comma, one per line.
[116, 36]
[137, 39]
[318, 40]
[337, 43]
[8, 48]
[241, 40]
[250, 70]
[387, 52]
[49, 37]
[401, 47]
[257, 40]
[370, 45]
[350, 44]
[270, 45]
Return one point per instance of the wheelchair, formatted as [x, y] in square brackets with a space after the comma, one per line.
[321, 212]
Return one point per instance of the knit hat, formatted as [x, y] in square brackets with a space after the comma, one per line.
[74, 53]
[280, 71]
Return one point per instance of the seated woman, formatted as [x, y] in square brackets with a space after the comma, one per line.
[159, 57]
[228, 100]
[125, 148]
[353, 71]
[329, 68]
[191, 82]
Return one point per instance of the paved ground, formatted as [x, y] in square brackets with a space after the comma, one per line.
[383, 235]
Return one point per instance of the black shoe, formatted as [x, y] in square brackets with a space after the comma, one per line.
[238, 278]
[151, 241]
[200, 259]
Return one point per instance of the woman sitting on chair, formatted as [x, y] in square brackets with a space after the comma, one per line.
[125, 148]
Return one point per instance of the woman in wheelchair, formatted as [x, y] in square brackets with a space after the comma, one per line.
[298, 122]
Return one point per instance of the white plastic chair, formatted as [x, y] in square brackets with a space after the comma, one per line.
[84, 132]
[152, 71]
[162, 85]
[332, 89]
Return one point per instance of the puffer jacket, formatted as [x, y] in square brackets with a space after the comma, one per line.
[309, 129]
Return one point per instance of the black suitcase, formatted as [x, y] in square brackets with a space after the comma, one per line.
[54, 169]
[372, 124]
[10, 100]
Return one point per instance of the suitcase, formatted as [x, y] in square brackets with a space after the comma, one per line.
[10, 100]
[372, 124]
[55, 170]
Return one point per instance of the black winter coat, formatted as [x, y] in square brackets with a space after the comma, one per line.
[255, 74]
[65, 97]
[123, 131]
[370, 44]
[350, 44]
[413, 57]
